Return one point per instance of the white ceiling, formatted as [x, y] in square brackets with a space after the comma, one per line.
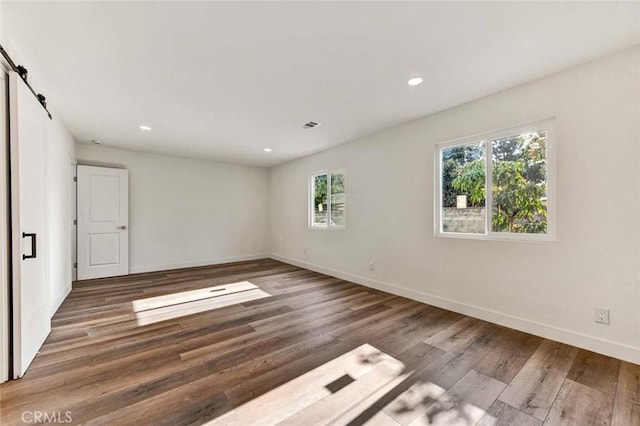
[224, 80]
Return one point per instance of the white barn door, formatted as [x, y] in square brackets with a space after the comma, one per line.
[103, 222]
[28, 125]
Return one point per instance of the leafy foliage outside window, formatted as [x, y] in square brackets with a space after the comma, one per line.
[328, 207]
[319, 213]
[454, 160]
[337, 199]
[518, 181]
[470, 181]
[520, 184]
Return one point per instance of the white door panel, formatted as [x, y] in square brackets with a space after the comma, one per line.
[28, 144]
[105, 206]
[104, 249]
[103, 218]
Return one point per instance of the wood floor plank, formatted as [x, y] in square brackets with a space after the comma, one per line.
[510, 353]
[464, 404]
[578, 404]
[456, 363]
[501, 414]
[419, 356]
[626, 410]
[536, 386]
[457, 332]
[597, 371]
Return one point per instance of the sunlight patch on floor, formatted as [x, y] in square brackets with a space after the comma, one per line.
[323, 395]
[169, 306]
[367, 386]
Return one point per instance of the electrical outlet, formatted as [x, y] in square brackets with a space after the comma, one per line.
[602, 316]
[372, 266]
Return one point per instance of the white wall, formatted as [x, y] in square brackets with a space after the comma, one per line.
[549, 289]
[185, 212]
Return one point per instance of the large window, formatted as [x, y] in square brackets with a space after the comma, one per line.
[327, 203]
[497, 186]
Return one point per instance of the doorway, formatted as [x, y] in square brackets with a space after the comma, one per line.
[103, 222]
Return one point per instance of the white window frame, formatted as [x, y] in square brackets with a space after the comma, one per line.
[549, 126]
[311, 197]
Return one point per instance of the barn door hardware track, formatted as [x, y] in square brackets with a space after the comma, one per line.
[22, 72]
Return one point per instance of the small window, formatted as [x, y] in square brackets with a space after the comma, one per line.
[497, 186]
[327, 204]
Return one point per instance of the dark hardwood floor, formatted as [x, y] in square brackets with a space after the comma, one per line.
[302, 349]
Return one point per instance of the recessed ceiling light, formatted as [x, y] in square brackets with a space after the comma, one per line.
[145, 128]
[415, 81]
[268, 150]
[96, 142]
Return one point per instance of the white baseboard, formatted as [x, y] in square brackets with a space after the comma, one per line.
[606, 347]
[205, 262]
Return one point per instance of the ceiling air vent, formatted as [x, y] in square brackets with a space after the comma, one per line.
[310, 125]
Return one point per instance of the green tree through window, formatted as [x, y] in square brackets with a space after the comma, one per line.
[519, 181]
[328, 206]
[520, 184]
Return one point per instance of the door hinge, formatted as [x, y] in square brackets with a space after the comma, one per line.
[75, 178]
[75, 221]
[75, 264]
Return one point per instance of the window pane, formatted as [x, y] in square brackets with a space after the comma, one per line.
[337, 199]
[463, 189]
[319, 201]
[520, 184]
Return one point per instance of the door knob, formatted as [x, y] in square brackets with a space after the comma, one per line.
[123, 227]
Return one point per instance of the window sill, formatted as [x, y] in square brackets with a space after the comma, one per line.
[496, 236]
[327, 228]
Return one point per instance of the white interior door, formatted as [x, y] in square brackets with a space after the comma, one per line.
[103, 222]
[28, 126]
